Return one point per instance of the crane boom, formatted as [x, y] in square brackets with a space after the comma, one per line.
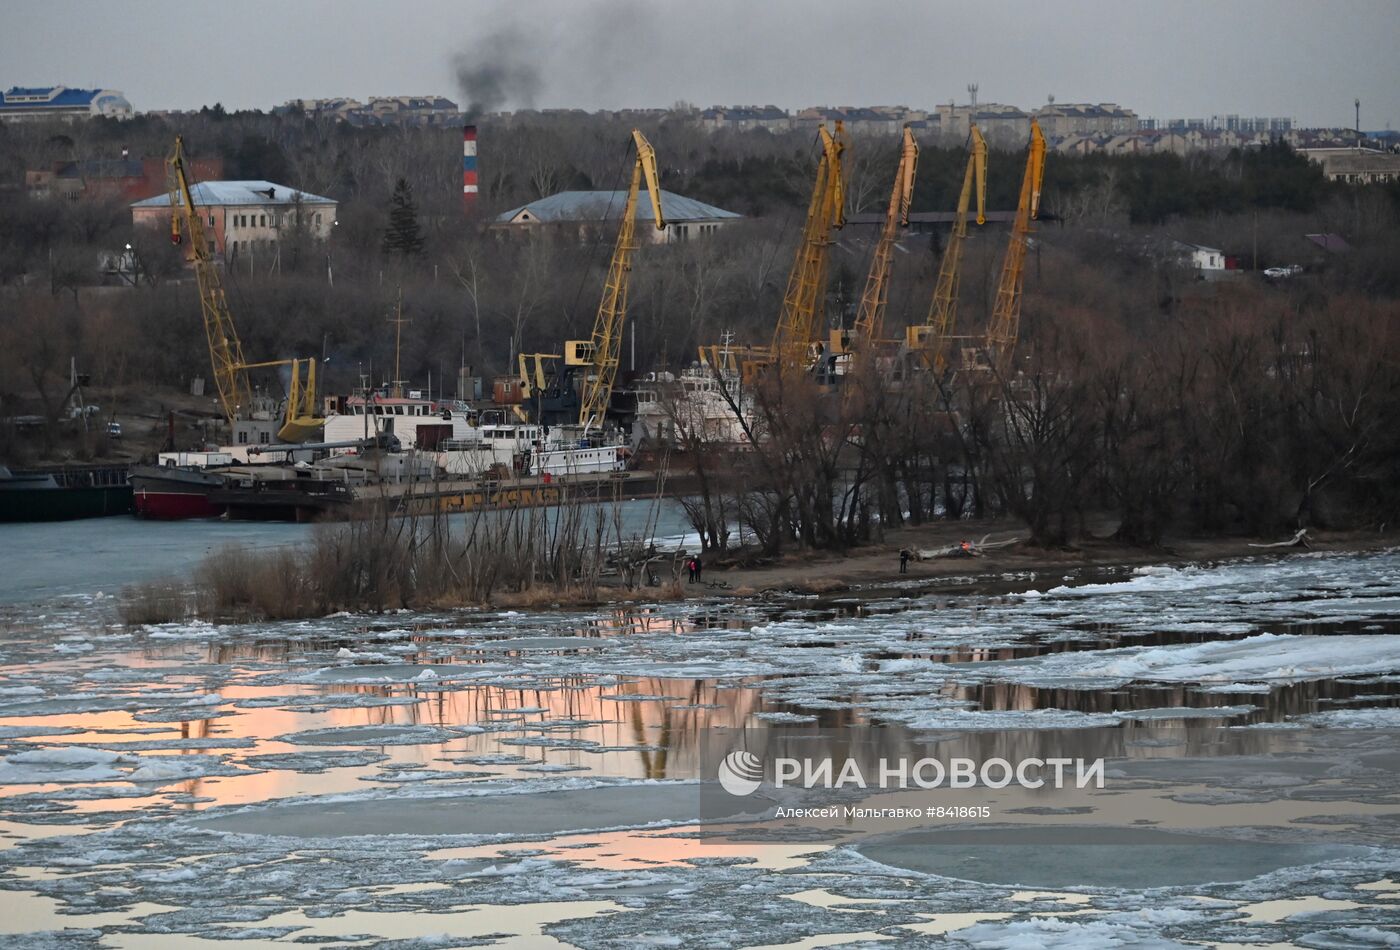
[943, 309]
[225, 350]
[230, 368]
[870, 317]
[601, 352]
[802, 302]
[1005, 324]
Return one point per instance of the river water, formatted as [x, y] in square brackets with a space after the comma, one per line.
[505, 778]
[48, 560]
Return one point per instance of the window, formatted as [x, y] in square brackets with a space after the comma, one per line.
[262, 438]
[242, 438]
[318, 219]
[263, 222]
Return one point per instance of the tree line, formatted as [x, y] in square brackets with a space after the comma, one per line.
[1240, 412]
[478, 296]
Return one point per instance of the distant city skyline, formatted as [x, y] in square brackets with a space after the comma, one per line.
[1189, 59]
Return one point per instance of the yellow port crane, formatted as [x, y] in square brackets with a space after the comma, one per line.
[933, 339]
[795, 337]
[599, 355]
[225, 351]
[870, 316]
[1005, 324]
[803, 301]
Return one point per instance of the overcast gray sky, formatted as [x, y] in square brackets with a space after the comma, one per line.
[1306, 59]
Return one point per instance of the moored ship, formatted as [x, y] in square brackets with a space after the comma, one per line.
[64, 493]
[169, 492]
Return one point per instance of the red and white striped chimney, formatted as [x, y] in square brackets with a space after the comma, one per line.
[469, 169]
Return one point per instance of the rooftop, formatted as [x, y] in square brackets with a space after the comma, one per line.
[103, 168]
[1334, 243]
[607, 205]
[239, 193]
[22, 97]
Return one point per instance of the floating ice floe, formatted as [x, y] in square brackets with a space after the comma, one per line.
[784, 717]
[960, 719]
[1186, 712]
[1386, 718]
[378, 735]
[179, 768]
[27, 732]
[1267, 656]
[75, 764]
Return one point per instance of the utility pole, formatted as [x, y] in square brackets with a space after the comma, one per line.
[1357, 104]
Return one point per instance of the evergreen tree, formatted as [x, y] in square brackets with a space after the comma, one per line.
[402, 237]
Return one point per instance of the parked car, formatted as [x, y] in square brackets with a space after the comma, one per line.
[1276, 273]
[114, 430]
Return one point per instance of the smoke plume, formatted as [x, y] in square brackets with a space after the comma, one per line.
[497, 71]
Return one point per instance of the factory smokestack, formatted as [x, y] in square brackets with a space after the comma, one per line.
[469, 170]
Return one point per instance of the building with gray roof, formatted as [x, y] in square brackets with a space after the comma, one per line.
[686, 218]
[246, 217]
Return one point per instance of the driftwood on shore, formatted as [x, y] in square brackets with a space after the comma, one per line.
[1299, 540]
[965, 548]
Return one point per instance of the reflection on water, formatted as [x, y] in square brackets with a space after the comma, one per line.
[585, 723]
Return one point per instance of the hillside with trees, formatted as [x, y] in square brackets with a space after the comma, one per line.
[1228, 404]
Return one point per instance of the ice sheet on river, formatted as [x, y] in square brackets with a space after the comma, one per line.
[69, 764]
[527, 809]
[378, 735]
[1267, 656]
[230, 870]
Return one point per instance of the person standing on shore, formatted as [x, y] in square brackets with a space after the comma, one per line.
[699, 570]
[904, 560]
[690, 571]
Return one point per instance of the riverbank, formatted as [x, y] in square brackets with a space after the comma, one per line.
[878, 564]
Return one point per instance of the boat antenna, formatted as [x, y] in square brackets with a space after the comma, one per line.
[398, 321]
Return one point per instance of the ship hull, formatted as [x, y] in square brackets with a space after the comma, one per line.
[65, 495]
[174, 494]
